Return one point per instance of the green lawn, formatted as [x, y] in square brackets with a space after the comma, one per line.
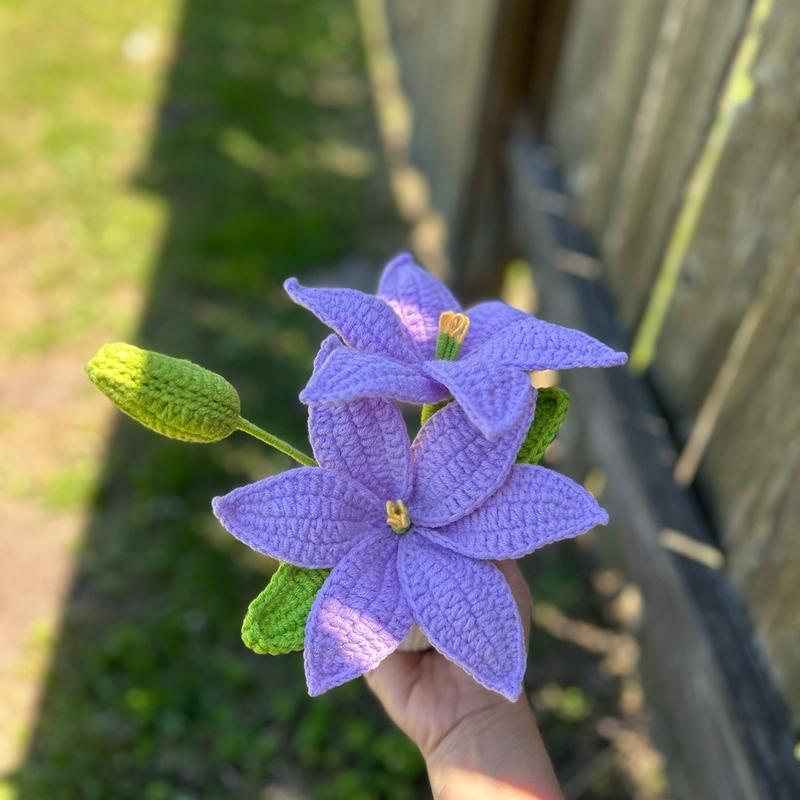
[177, 209]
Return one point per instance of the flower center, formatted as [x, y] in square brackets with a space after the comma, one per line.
[454, 324]
[397, 516]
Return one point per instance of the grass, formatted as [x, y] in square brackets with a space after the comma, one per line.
[80, 239]
[168, 165]
[172, 220]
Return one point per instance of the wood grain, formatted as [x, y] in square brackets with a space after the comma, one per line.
[752, 472]
[740, 236]
[696, 47]
[443, 49]
[728, 731]
[602, 74]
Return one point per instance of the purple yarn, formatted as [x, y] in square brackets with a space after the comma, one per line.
[468, 504]
[391, 340]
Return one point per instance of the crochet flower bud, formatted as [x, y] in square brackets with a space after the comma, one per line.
[171, 396]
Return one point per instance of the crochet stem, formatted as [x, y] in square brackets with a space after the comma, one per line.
[273, 441]
[453, 327]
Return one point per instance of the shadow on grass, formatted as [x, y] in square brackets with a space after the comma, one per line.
[264, 150]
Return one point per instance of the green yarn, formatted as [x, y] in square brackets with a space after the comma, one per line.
[171, 396]
[276, 620]
[272, 440]
[447, 346]
[551, 408]
[429, 409]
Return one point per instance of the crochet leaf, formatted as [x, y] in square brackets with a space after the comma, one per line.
[171, 396]
[551, 408]
[276, 620]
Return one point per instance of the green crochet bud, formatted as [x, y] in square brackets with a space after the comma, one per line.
[171, 396]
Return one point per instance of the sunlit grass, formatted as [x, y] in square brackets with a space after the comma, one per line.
[166, 171]
[78, 116]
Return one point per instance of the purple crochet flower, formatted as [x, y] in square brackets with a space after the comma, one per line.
[409, 531]
[392, 345]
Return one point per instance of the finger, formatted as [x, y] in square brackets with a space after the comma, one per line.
[392, 682]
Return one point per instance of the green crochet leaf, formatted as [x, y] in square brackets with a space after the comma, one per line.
[171, 396]
[551, 408]
[429, 409]
[276, 620]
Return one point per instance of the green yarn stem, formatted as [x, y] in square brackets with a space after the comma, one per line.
[273, 441]
[429, 409]
[446, 349]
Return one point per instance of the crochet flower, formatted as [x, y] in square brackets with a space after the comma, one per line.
[410, 531]
[392, 348]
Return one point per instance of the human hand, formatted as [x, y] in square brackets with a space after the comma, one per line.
[475, 742]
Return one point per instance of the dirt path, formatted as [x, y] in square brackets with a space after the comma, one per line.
[81, 119]
[54, 427]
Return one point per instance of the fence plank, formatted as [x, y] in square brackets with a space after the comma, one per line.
[696, 46]
[444, 49]
[600, 82]
[730, 346]
[753, 470]
[746, 217]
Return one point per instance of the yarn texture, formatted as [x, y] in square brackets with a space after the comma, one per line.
[467, 503]
[392, 343]
[377, 535]
[552, 405]
[171, 396]
[276, 620]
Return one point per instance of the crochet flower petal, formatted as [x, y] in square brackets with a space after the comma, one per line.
[467, 611]
[493, 396]
[418, 299]
[485, 320]
[329, 345]
[309, 516]
[359, 617]
[362, 320]
[348, 374]
[532, 344]
[365, 439]
[455, 469]
[534, 507]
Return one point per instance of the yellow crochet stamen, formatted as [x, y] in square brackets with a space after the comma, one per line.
[454, 324]
[397, 516]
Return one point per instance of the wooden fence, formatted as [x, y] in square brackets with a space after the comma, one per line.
[645, 156]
